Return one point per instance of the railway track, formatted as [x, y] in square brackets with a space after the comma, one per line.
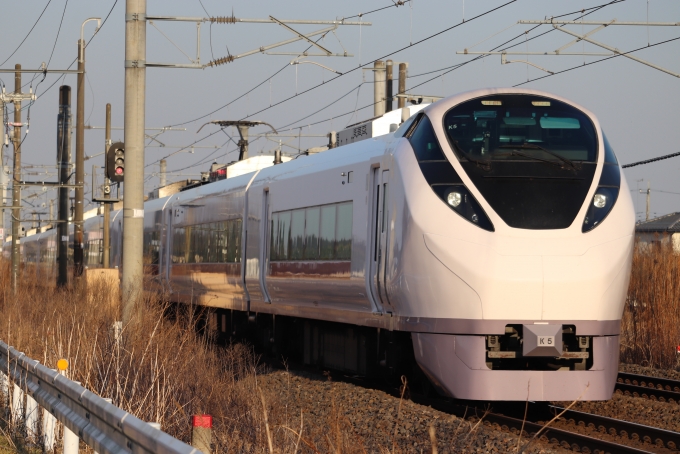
[653, 388]
[647, 439]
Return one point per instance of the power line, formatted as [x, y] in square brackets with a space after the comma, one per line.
[29, 32]
[58, 31]
[393, 5]
[459, 65]
[384, 56]
[598, 61]
[595, 8]
[340, 75]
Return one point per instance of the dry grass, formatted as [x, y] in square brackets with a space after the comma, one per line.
[162, 370]
[650, 329]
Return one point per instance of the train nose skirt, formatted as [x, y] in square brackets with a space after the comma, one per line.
[542, 340]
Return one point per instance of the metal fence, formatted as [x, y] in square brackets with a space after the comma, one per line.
[84, 415]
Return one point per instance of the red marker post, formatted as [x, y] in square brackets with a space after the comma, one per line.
[201, 434]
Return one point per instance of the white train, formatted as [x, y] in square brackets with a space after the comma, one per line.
[489, 238]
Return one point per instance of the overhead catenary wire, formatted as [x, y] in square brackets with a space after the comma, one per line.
[649, 161]
[347, 72]
[27, 34]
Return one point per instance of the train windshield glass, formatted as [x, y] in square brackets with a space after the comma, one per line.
[520, 128]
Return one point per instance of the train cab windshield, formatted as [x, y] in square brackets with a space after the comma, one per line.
[521, 128]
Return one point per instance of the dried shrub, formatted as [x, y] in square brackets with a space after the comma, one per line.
[650, 328]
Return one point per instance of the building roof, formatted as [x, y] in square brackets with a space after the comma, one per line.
[667, 223]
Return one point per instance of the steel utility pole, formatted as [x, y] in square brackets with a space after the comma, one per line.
[389, 86]
[63, 149]
[107, 194]
[133, 197]
[80, 156]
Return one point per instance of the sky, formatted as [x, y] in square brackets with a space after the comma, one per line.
[637, 105]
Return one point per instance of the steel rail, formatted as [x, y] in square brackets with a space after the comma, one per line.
[100, 424]
[565, 438]
[624, 429]
[648, 393]
[650, 382]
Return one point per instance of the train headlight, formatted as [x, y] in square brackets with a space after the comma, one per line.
[605, 197]
[600, 201]
[454, 198]
[459, 199]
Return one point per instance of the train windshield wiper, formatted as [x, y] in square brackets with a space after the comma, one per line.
[531, 146]
[483, 164]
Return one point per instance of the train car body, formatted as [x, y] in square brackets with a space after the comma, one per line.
[493, 229]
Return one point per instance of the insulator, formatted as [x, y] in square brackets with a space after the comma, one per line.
[223, 20]
[221, 61]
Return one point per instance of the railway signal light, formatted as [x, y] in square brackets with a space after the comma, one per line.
[115, 162]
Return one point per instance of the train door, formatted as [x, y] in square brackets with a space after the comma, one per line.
[264, 250]
[380, 232]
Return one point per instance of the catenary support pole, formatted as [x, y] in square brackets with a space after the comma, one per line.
[80, 164]
[648, 196]
[164, 169]
[378, 88]
[389, 86]
[403, 69]
[63, 148]
[16, 175]
[106, 261]
[133, 196]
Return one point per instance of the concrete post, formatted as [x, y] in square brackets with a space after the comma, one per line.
[133, 197]
[378, 88]
[403, 70]
[201, 433]
[80, 166]
[16, 189]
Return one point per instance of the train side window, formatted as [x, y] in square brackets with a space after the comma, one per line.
[425, 143]
[284, 234]
[312, 216]
[297, 233]
[274, 246]
[313, 233]
[327, 233]
[343, 233]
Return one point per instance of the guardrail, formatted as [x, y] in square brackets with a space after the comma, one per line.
[85, 416]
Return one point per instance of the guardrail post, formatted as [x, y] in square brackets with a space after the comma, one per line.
[17, 404]
[31, 417]
[49, 423]
[201, 434]
[71, 441]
